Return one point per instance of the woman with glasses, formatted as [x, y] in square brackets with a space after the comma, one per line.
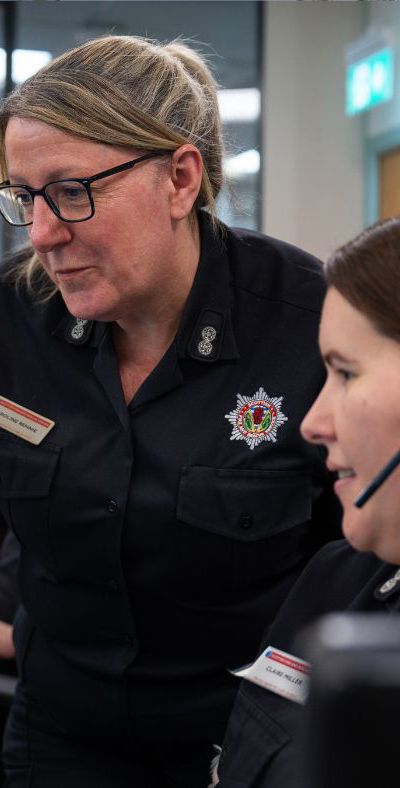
[155, 367]
[357, 419]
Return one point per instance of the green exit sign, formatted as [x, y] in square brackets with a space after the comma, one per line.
[369, 81]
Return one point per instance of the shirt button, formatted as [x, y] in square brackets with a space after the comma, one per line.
[246, 521]
[112, 506]
[114, 585]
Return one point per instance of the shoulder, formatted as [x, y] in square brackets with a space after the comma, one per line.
[12, 263]
[335, 560]
[12, 290]
[339, 554]
[21, 295]
[335, 579]
[275, 270]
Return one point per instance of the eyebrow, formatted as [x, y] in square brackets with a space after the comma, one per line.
[54, 175]
[334, 356]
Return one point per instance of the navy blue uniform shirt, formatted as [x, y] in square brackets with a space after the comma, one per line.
[9, 597]
[262, 742]
[158, 539]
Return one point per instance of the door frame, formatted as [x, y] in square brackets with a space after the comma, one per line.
[374, 147]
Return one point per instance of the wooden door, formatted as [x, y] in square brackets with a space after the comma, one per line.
[389, 184]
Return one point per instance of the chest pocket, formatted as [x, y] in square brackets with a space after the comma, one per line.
[26, 476]
[257, 742]
[260, 518]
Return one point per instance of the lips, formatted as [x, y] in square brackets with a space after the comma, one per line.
[344, 477]
[71, 273]
[345, 473]
[66, 271]
[341, 470]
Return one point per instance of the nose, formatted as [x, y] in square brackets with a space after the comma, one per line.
[47, 231]
[318, 424]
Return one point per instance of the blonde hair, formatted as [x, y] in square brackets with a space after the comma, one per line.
[127, 91]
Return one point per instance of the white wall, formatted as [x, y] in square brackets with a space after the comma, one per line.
[313, 166]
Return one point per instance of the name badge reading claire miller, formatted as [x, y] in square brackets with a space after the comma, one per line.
[23, 422]
[279, 672]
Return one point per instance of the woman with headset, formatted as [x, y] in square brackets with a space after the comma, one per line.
[356, 417]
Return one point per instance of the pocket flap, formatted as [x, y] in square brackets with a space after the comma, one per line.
[244, 504]
[26, 471]
[252, 740]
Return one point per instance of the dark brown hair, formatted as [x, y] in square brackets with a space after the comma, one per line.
[366, 271]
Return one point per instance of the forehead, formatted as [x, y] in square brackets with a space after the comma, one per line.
[344, 328]
[51, 149]
[26, 131]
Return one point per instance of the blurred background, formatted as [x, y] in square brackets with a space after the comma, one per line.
[311, 106]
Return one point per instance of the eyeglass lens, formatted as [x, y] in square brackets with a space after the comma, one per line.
[69, 198]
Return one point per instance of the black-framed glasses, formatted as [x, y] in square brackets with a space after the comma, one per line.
[70, 199]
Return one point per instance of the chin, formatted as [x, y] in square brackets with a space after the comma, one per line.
[87, 308]
[359, 531]
[374, 529]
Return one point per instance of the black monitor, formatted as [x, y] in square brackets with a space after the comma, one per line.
[351, 731]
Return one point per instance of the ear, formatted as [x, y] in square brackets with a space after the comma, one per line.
[186, 174]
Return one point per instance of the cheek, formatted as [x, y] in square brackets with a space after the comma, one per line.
[372, 412]
[376, 527]
[350, 428]
[357, 428]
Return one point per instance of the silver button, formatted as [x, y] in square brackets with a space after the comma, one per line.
[112, 506]
[78, 329]
[209, 333]
[391, 583]
[205, 346]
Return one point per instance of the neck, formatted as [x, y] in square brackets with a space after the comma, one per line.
[145, 332]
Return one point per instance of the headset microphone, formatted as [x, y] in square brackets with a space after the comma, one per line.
[377, 481]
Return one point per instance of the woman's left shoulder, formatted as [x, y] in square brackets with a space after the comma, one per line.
[338, 556]
[318, 590]
[260, 242]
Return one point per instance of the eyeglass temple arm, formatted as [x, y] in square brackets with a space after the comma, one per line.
[121, 167]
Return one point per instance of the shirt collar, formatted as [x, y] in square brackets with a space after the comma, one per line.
[206, 331]
[77, 331]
